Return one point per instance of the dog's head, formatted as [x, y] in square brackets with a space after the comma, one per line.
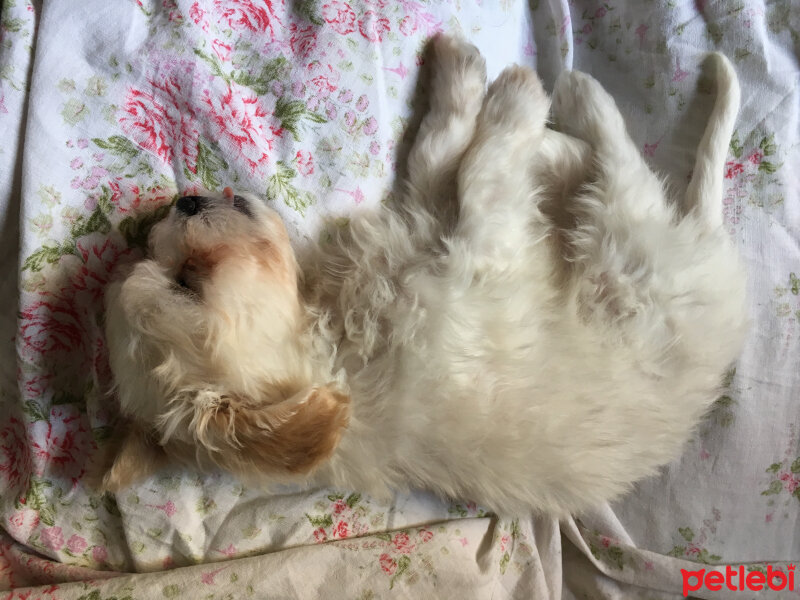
[209, 346]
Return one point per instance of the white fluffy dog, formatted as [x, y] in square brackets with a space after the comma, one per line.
[538, 339]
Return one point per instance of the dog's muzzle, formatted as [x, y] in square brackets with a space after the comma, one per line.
[191, 205]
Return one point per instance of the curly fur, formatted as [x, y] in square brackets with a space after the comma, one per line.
[537, 340]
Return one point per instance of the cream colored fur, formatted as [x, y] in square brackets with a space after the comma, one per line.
[537, 340]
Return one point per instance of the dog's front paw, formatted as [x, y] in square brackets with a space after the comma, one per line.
[517, 100]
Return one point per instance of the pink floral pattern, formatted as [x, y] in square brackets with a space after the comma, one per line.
[373, 26]
[340, 16]
[239, 119]
[161, 119]
[250, 15]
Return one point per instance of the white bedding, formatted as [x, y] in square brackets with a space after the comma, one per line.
[108, 110]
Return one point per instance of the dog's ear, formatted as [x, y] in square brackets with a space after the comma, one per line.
[272, 434]
[138, 457]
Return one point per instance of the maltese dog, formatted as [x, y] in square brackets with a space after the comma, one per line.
[533, 327]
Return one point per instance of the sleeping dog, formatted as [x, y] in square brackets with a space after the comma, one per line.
[533, 327]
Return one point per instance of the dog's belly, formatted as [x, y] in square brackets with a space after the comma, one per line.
[524, 398]
[500, 387]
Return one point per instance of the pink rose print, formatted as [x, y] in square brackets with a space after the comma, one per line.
[60, 446]
[76, 544]
[196, 13]
[320, 535]
[175, 15]
[53, 538]
[601, 12]
[339, 506]
[14, 456]
[373, 26]
[340, 16]
[371, 126]
[340, 530]
[756, 157]
[99, 261]
[158, 120]
[91, 181]
[362, 103]
[99, 554]
[252, 15]
[148, 122]
[388, 564]
[21, 524]
[135, 200]
[323, 85]
[425, 535]
[303, 40]
[732, 169]
[222, 50]
[50, 325]
[305, 166]
[402, 543]
[408, 25]
[239, 119]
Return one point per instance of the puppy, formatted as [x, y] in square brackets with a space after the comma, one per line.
[534, 327]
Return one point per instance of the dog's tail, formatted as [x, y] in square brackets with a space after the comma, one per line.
[704, 194]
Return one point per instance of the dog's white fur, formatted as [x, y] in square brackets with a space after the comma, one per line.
[538, 340]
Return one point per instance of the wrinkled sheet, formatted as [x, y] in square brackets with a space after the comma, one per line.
[108, 110]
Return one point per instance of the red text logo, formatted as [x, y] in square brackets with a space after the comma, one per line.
[737, 579]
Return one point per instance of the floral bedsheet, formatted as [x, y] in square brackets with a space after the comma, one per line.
[108, 110]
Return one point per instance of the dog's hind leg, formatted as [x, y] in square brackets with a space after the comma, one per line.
[704, 194]
[457, 90]
[624, 224]
[494, 179]
[639, 265]
[583, 109]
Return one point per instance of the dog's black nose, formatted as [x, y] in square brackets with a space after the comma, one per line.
[191, 205]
